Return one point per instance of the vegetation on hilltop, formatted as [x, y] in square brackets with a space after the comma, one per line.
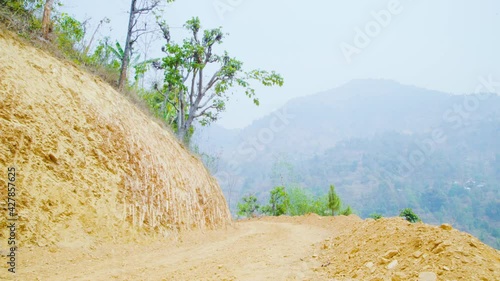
[179, 99]
[295, 201]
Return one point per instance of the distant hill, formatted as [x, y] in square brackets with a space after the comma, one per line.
[361, 137]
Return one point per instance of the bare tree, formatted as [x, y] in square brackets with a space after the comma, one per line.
[134, 31]
[89, 45]
[47, 10]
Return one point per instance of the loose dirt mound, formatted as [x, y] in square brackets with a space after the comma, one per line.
[89, 164]
[394, 249]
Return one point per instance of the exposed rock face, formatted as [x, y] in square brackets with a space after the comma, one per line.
[89, 163]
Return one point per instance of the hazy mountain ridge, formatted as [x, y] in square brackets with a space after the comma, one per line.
[366, 137]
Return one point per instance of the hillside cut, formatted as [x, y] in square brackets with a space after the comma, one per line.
[89, 164]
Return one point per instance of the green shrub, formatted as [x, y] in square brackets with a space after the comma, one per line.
[376, 216]
[409, 215]
[69, 32]
[20, 15]
[347, 211]
[248, 206]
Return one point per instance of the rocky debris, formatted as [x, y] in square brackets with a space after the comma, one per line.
[427, 276]
[394, 249]
[393, 264]
[446, 226]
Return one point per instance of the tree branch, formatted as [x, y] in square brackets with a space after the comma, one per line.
[212, 81]
[191, 94]
[200, 87]
[207, 101]
[204, 111]
[147, 8]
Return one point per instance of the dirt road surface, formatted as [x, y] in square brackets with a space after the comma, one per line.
[248, 250]
[309, 247]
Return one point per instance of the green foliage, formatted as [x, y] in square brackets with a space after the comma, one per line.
[409, 215]
[117, 51]
[22, 15]
[248, 206]
[156, 102]
[347, 211]
[104, 55]
[279, 202]
[301, 201]
[22, 6]
[376, 216]
[334, 202]
[320, 206]
[296, 201]
[186, 65]
[69, 32]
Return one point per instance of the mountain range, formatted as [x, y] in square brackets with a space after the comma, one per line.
[384, 145]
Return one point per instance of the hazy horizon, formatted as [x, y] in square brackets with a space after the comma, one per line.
[318, 46]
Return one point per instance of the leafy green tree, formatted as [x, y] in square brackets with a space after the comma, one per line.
[248, 206]
[301, 201]
[279, 202]
[320, 206]
[198, 81]
[69, 33]
[409, 215]
[334, 202]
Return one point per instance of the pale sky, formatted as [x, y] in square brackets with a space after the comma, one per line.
[441, 45]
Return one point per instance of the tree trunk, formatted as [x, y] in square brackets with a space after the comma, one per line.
[87, 48]
[128, 48]
[47, 10]
[181, 127]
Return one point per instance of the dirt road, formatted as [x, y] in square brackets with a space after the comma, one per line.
[250, 250]
[279, 248]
